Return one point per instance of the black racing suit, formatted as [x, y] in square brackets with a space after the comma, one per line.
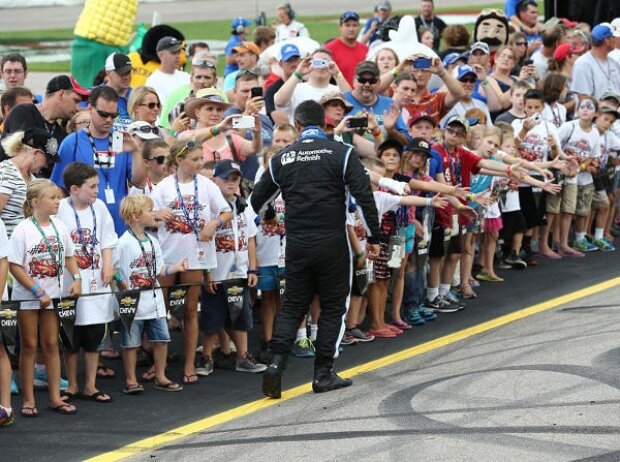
[315, 176]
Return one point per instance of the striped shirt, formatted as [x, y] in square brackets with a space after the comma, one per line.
[13, 185]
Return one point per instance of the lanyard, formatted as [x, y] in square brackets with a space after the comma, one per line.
[151, 265]
[149, 184]
[193, 224]
[94, 241]
[56, 262]
[103, 166]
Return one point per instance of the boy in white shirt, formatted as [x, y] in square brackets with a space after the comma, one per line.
[235, 244]
[91, 228]
[140, 262]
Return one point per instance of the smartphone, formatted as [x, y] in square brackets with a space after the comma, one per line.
[536, 118]
[357, 122]
[243, 122]
[117, 142]
[422, 63]
[319, 63]
[256, 91]
[181, 108]
[528, 62]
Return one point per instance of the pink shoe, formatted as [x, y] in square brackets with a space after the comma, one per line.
[401, 325]
[550, 254]
[569, 252]
[395, 329]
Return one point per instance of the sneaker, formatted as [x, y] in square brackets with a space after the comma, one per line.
[361, 336]
[264, 356]
[426, 314]
[502, 265]
[445, 305]
[348, 339]
[6, 416]
[14, 387]
[431, 304]
[205, 367]
[453, 297]
[414, 318]
[249, 364]
[584, 246]
[303, 348]
[515, 261]
[40, 380]
[604, 245]
[223, 361]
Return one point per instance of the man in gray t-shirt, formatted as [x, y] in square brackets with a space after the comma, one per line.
[594, 73]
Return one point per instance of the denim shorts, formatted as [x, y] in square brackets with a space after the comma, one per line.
[268, 278]
[156, 331]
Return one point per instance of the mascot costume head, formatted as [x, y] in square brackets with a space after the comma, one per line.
[492, 28]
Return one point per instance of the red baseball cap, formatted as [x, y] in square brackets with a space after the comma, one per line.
[562, 52]
[66, 82]
[421, 116]
[567, 23]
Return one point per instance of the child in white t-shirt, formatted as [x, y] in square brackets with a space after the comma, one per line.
[140, 262]
[40, 251]
[195, 209]
[91, 228]
[236, 260]
[6, 411]
[155, 154]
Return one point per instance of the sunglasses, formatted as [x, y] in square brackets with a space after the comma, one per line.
[469, 80]
[106, 115]
[243, 72]
[587, 105]
[189, 146]
[159, 159]
[495, 11]
[147, 129]
[521, 44]
[204, 63]
[370, 80]
[151, 105]
[454, 132]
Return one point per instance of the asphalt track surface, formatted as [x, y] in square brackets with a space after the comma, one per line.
[200, 10]
[99, 428]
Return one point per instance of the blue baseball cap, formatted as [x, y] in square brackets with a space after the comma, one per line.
[225, 167]
[349, 15]
[463, 70]
[289, 51]
[240, 22]
[601, 32]
[453, 57]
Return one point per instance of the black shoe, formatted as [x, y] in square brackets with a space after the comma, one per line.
[272, 377]
[223, 361]
[432, 304]
[445, 305]
[329, 382]
[264, 356]
[515, 261]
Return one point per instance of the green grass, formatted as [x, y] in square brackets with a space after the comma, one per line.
[322, 27]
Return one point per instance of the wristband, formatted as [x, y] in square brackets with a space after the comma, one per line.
[362, 254]
[582, 166]
[298, 75]
[253, 272]
[471, 197]
[77, 277]
[508, 170]
[484, 83]
[220, 223]
[429, 201]
[376, 133]
[394, 72]
[166, 271]
[213, 131]
[205, 272]
[41, 295]
[118, 277]
[35, 288]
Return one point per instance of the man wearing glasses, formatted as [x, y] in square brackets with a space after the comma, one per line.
[95, 147]
[168, 77]
[13, 70]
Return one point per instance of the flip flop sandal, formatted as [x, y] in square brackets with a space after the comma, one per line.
[69, 395]
[187, 379]
[31, 412]
[62, 409]
[148, 376]
[170, 386]
[133, 389]
[396, 330]
[95, 397]
[104, 372]
[382, 333]
[110, 354]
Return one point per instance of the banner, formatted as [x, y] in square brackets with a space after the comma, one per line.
[66, 313]
[234, 291]
[177, 300]
[127, 306]
[8, 324]
[360, 279]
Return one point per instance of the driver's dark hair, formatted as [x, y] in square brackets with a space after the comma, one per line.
[310, 112]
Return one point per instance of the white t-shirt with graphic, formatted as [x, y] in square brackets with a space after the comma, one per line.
[131, 262]
[555, 114]
[385, 202]
[271, 239]
[29, 250]
[97, 234]
[178, 237]
[581, 144]
[534, 146]
[231, 245]
[610, 148]
[303, 92]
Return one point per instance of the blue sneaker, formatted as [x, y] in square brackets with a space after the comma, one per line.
[426, 314]
[584, 246]
[413, 318]
[604, 245]
[14, 387]
[40, 380]
[303, 348]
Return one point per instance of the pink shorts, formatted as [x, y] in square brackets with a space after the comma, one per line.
[493, 224]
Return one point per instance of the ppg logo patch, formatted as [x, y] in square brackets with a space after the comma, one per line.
[288, 157]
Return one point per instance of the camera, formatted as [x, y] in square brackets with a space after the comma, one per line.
[319, 63]
[243, 122]
[422, 63]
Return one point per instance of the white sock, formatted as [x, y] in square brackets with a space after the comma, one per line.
[301, 334]
[444, 289]
[598, 233]
[40, 368]
[314, 328]
[432, 293]
[580, 236]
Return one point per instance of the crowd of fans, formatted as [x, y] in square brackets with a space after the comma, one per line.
[480, 161]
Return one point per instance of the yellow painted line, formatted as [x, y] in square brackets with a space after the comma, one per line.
[149, 444]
